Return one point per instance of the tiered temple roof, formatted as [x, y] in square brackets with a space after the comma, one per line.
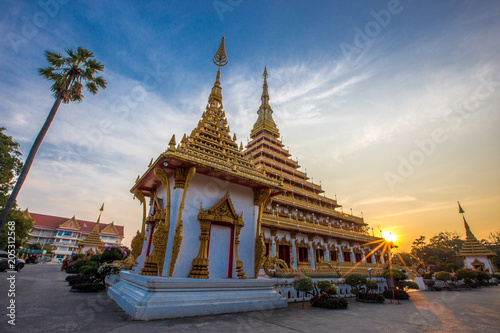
[473, 247]
[210, 148]
[94, 238]
[306, 209]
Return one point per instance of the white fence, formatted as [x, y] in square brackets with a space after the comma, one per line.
[285, 288]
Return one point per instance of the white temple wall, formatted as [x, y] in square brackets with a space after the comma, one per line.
[487, 263]
[208, 191]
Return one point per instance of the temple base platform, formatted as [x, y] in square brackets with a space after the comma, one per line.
[151, 297]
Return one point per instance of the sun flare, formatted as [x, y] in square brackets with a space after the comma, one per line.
[390, 236]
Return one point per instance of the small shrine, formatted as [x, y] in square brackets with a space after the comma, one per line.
[200, 246]
[474, 254]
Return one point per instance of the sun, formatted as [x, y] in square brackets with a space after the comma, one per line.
[389, 236]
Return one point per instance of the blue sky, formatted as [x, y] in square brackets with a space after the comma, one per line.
[392, 105]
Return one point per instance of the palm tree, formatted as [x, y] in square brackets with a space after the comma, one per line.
[69, 74]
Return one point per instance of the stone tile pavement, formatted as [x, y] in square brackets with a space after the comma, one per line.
[45, 304]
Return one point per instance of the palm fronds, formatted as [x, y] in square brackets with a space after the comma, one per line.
[67, 73]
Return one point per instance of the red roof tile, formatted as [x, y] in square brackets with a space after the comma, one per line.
[53, 222]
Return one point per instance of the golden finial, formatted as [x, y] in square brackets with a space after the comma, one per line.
[220, 58]
[171, 144]
[150, 163]
[234, 136]
[265, 76]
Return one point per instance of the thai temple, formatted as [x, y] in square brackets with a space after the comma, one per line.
[474, 254]
[301, 227]
[221, 223]
[69, 236]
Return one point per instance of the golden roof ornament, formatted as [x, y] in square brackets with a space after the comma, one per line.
[220, 58]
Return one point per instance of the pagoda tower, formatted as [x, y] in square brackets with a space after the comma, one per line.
[93, 243]
[302, 226]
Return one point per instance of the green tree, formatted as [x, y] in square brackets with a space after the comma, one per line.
[442, 250]
[69, 75]
[10, 167]
[418, 246]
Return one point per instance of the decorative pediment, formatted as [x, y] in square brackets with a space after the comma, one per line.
[70, 224]
[222, 211]
[302, 243]
[283, 241]
[110, 229]
[477, 263]
[318, 245]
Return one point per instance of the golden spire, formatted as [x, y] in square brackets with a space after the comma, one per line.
[265, 121]
[220, 59]
[100, 212]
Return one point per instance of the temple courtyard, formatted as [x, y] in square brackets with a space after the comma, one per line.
[45, 304]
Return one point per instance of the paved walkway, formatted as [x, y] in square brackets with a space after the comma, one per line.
[45, 304]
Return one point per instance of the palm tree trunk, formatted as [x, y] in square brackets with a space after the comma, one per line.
[29, 161]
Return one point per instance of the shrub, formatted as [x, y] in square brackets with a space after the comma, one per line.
[397, 275]
[411, 285]
[79, 263]
[304, 284]
[89, 270]
[465, 273]
[326, 287]
[355, 280]
[444, 276]
[398, 294]
[329, 303]
[96, 257]
[428, 276]
[370, 298]
[482, 276]
[75, 257]
[496, 276]
[70, 277]
[371, 285]
[111, 254]
[78, 279]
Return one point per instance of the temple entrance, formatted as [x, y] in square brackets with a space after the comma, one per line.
[220, 231]
[220, 251]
